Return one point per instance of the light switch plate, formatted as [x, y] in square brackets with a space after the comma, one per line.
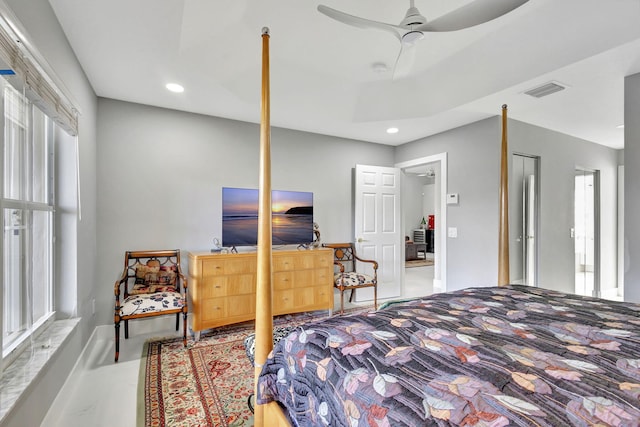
[452, 232]
[452, 198]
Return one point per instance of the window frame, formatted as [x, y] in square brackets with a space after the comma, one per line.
[25, 202]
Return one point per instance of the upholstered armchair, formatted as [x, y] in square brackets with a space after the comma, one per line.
[151, 284]
[347, 277]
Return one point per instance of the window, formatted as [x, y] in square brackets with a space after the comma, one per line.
[28, 216]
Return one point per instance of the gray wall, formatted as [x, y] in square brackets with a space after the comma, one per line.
[632, 188]
[559, 156]
[160, 175]
[412, 201]
[474, 165]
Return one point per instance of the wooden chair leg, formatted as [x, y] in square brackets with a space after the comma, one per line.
[353, 291]
[117, 328]
[177, 321]
[375, 298]
[184, 327]
[341, 301]
[126, 329]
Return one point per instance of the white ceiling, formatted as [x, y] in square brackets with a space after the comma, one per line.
[322, 76]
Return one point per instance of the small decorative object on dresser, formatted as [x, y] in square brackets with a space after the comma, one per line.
[316, 235]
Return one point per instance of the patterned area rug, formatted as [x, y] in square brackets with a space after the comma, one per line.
[207, 383]
[418, 263]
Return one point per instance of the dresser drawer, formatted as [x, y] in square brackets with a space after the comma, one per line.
[323, 261]
[218, 286]
[283, 301]
[306, 261]
[323, 296]
[322, 276]
[305, 297]
[283, 280]
[283, 263]
[214, 309]
[226, 266]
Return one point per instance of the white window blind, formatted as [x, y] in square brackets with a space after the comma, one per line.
[24, 73]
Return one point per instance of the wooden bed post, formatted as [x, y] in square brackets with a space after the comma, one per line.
[264, 318]
[503, 233]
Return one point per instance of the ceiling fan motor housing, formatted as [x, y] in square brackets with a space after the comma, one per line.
[413, 17]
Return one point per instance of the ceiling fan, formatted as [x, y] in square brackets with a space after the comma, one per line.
[412, 28]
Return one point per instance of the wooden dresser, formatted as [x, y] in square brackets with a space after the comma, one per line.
[223, 286]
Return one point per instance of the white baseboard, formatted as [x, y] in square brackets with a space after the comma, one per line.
[612, 294]
[437, 286]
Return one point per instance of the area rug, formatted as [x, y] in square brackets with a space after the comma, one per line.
[206, 384]
[418, 263]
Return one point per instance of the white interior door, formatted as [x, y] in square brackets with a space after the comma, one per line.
[523, 219]
[586, 233]
[530, 231]
[378, 234]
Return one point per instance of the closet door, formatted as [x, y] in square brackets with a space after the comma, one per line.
[586, 233]
[524, 198]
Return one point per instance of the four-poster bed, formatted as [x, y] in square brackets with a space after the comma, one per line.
[489, 356]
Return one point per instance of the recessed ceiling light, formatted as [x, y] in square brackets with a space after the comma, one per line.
[175, 87]
[620, 126]
[392, 130]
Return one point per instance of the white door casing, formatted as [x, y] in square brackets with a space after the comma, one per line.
[440, 253]
[377, 223]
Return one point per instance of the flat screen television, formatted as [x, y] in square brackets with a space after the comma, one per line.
[291, 217]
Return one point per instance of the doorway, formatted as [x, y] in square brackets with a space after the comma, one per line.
[420, 214]
[586, 232]
[524, 198]
[437, 163]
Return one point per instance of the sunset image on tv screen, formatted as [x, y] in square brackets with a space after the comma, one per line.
[292, 217]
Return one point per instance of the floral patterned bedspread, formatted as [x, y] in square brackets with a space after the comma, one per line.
[488, 357]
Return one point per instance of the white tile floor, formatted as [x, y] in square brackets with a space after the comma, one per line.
[103, 393]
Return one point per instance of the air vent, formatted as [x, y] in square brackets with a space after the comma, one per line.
[545, 89]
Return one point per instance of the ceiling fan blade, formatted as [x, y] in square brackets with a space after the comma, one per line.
[356, 21]
[478, 12]
[404, 61]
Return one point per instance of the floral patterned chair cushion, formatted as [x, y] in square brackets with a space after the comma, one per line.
[151, 303]
[352, 279]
